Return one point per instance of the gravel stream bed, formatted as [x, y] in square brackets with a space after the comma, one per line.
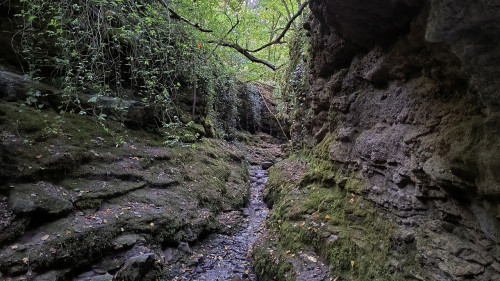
[226, 257]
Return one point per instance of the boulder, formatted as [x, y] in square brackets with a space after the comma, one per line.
[266, 165]
[135, 267]
[42, 198]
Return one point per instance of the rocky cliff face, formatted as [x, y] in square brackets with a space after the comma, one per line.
[78, 206]
[405, 95]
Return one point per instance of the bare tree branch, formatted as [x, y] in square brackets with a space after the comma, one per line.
[246, 53]
[288, 25]
[288, 14]
[230, 30]
[233, 27]
[235, 46]
[176, 16]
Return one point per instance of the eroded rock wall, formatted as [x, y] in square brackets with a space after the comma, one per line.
[410, 92]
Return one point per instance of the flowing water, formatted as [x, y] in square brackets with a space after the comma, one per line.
[226, 257]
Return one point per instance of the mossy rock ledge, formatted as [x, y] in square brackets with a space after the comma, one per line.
[77, 204]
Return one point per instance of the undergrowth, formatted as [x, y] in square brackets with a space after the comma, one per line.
[104, 51]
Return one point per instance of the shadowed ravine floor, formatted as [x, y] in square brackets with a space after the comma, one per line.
[226, 256]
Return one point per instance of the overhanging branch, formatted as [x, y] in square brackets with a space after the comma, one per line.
[247, 54]
[230, 30]
[282, 34]
[238, 48]
[176, 16]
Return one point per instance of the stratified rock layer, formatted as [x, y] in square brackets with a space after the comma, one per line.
[404, 95]
[78, 206]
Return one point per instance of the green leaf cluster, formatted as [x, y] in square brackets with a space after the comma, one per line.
[136, 49]
[249, 23]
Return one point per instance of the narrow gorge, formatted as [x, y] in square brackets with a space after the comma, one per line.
[136, 143]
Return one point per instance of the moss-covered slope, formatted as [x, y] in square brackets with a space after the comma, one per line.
[70, 193]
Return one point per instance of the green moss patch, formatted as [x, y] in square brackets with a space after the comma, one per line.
[270, 261]
[319, 207]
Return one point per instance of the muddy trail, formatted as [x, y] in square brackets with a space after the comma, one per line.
[226, 256]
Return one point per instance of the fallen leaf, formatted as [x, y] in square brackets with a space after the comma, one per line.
[26, 260]
[68, 232]
[313, 259]
[45, 237]
[327, 217]
[14, 247]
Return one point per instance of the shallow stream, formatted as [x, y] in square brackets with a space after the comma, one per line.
[226, 257]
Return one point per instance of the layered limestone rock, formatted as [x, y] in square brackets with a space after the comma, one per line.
[408, 92]
[78, 206]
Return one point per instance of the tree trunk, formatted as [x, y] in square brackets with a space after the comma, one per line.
[193, 113]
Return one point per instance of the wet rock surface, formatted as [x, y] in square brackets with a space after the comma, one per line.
[77, 206]
[224, 256]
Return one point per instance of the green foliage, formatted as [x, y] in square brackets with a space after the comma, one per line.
[251, 24]
[272, 265]
[95, 50]
[177, 133]
[222, 107]
[291, 80]
[106, 47]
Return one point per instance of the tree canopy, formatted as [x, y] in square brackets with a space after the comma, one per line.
[256, 29]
